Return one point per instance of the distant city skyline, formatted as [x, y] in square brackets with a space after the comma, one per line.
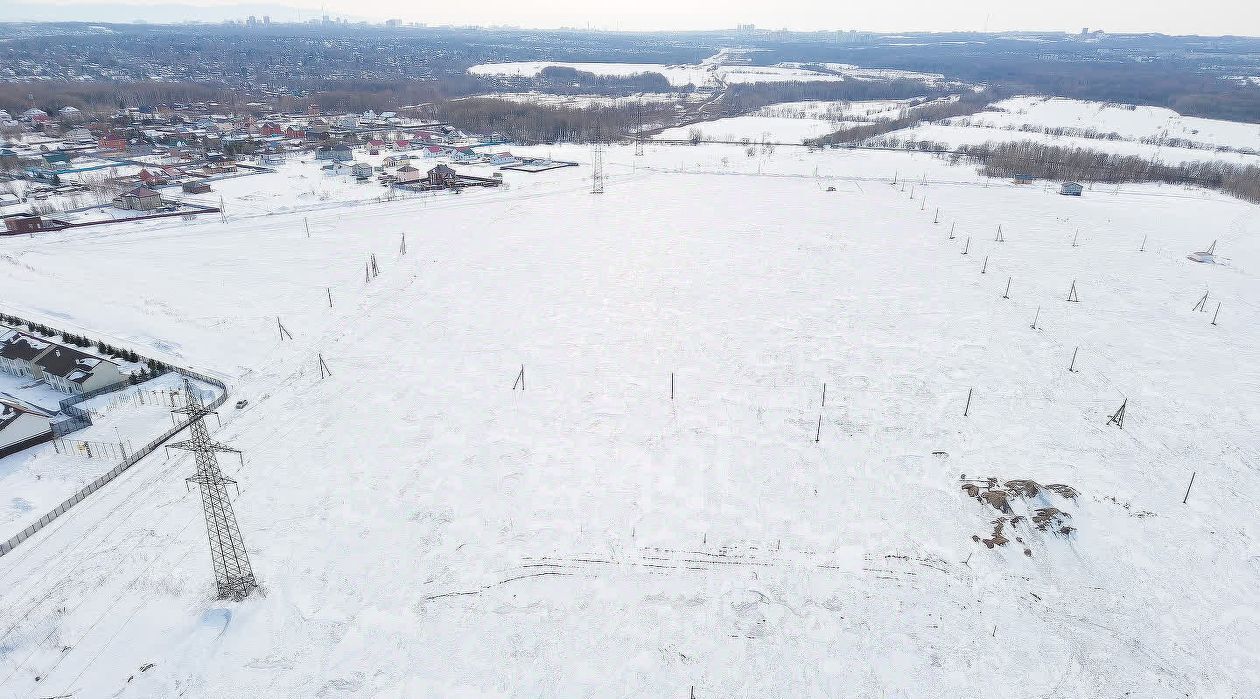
[1208, 17]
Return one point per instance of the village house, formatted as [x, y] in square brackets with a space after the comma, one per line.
[34, 116]
[21, 428]
[113, 143]
[442, 176]
[63, 368]
[68, 370]
[408, 173]
[1071, 189]
[152, 178]
[139, 199]
[18, 224]
[504, 158]
[195, 187]
[18, 352]
[339, 152]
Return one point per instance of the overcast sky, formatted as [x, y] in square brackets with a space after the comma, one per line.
[1199, 17]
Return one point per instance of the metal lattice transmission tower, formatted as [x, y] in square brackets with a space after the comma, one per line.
[638, 136]
[232, 572]
[597, 162]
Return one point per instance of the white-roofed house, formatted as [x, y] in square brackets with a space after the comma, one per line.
[21, 427]
[19, 352]
[68, 370]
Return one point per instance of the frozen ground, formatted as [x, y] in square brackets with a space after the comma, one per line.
[421, 529]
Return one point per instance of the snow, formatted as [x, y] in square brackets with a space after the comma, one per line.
[1129, 121]
[954, 136]
[1140, 131]
[677, 75]
[755, 128]
[421, 529]
[791, 122]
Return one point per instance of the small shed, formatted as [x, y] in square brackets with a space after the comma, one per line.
[1071, 189]
[1023, 178]
[195, 187]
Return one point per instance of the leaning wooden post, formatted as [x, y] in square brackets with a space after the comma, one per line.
[1187, 497]
[985, 266]
[1072, 366]
[967, 245]
[1217, 313]
[329, 290]
[824, 396]
[967, 407]
[1035, 317]
[1007, 293]
[952, 226]
[818, 433]
[671, 385]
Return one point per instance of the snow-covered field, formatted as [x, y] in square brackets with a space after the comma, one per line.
[677, 75]
[790, 122]
[1128, 121]
[708, 73]
[1141, 131]
[421, 529]
[755, 128]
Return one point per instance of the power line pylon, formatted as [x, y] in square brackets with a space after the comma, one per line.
[597, 161]
[232, 573]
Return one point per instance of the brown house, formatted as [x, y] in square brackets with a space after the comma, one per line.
[139, 199]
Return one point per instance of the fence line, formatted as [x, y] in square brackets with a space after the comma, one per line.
[80, 418]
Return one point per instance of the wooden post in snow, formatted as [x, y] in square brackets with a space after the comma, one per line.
[1072, 366]
[1187, 497]
[1035, 317]
[1201, 304]
[1007, 294]
[1217, 313]
[985, 266]
[967, 407]
[520, 379]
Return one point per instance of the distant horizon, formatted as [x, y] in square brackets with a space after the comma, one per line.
[1212, 18]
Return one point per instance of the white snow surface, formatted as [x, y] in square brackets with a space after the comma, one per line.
[677, 75]
[1140, 131]
[1129, 121]
[421, 529]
